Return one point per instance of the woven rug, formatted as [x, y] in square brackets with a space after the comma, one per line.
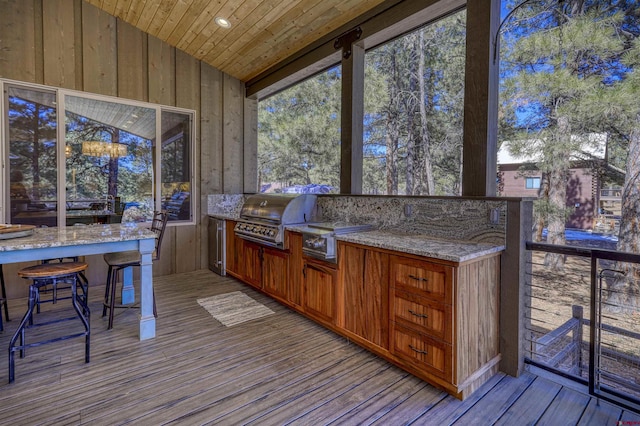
[234, 308]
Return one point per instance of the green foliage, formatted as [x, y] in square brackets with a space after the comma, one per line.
[299, 134]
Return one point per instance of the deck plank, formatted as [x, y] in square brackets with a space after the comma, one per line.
[600, 413]
[279, 369]
[567, 407]
[532, 403]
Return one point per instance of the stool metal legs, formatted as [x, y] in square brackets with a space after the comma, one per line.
[79, 305]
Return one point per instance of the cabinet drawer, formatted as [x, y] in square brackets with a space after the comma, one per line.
[432, 355]
[430, 280]
[423, 315]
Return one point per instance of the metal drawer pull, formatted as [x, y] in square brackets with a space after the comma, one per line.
[417, 350]
[417, 314]
[413, 277]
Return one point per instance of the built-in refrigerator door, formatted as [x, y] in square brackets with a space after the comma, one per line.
[217, 245]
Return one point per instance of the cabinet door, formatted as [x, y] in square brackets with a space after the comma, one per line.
[295, 266]
[234, 249]
[364, 276]
[274, 272]
[319, 294]
[252, 264]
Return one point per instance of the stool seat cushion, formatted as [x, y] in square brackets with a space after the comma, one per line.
[123, 258]
[52, 270]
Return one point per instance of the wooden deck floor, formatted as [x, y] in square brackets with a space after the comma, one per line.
[281, 369]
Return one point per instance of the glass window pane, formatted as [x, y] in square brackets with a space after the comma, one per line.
[299, 137]
[414, 104]
[176, 165]
[109, 161]
[32, 156]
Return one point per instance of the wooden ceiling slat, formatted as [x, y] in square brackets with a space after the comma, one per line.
[109, 6]
[186, 24]
[160, 17]
[174, 19]
[284, 32]
[263, 32]
[247, 32]
[135, 11]
[244, 18]
[226, 11]
[204, 19]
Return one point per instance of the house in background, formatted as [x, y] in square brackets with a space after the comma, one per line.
[593, 189]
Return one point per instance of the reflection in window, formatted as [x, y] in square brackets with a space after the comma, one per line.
[299, 137]
[32, 156]
[109, 161]
[414, 100]
[175, 165]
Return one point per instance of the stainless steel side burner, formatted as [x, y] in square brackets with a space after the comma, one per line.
[319, 239]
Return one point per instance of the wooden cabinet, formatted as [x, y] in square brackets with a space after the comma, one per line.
[234, 250]
[251, 263]
[320, 290]
[274, 272]
[434, 318]
[293, 241]
[444, 319]
[364, 293]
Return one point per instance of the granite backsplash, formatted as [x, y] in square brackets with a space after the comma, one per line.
[465, 219]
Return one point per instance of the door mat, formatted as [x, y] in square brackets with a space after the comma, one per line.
[234, 308]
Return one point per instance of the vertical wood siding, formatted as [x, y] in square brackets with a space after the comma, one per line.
[71, 44]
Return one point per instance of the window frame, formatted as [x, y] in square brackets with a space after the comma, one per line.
[533, 180]
[61, 94]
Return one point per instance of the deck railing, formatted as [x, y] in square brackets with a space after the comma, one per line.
[581, 323]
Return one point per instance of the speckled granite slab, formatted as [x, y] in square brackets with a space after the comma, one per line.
[74, 235]
[448, 218]
[422, 245]
[225, 206]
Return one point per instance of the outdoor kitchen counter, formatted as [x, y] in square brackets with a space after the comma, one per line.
[422, 245]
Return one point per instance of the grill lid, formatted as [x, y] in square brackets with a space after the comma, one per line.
[282, 209]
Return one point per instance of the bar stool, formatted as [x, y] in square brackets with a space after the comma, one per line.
[41, 275]
[54, 287]
[3, 300]
[122, 260]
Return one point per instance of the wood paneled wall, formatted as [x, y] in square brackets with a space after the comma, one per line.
[73, 45]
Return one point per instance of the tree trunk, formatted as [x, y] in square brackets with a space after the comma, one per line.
[558, 176]
[427, 169]
[543, 194]
[391, 134]
[113, 169]
[35, 160]
[624, 291]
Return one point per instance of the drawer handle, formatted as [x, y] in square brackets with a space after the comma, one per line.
[417, 350]
[416, 314]
[413, 277]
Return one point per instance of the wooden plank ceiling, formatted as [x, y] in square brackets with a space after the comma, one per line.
[262, 33]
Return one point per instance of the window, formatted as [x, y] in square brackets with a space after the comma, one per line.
[108, 168]
[532, 183]
[299, 137]
[176, 164]
[32, 141]
[414, 100]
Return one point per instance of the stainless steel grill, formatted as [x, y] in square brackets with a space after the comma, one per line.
[264, 216]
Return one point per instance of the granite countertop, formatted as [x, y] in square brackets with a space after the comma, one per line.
[74, 235]
[422, 245]
[225, 215]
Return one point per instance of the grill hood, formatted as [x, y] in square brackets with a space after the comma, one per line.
[280, 209]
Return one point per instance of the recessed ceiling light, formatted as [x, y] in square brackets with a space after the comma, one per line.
[223, 22]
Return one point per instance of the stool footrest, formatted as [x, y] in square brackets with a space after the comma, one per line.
[44, 342]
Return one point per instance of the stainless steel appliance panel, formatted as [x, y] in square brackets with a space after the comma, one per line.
[217, 260]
